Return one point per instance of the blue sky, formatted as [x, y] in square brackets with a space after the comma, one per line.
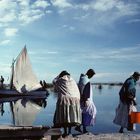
[72, 35]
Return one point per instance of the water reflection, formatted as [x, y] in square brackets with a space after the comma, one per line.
[23, 110]
[34, 111]
[1, 109]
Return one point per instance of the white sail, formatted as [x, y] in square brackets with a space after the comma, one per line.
[24, 80]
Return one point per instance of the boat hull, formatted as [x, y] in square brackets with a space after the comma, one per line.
[11, 93]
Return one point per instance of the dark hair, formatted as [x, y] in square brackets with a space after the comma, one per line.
[90, 73]
[136, 73]
[63, 73]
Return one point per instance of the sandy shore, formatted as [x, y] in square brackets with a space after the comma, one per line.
[90, 136]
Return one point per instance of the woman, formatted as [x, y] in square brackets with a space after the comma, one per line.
[68, 112]
[127, 103]
[87, 104]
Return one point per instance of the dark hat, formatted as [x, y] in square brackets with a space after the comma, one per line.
[63, 73]
[91, 71]
[136, 73]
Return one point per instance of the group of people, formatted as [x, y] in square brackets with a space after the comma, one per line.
[75, 106]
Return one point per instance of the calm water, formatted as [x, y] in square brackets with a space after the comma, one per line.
[27, 111]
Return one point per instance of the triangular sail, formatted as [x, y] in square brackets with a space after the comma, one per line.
[24, 79]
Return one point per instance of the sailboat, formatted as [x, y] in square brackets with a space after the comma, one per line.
[23, 80]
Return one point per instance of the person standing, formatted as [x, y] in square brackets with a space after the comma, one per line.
[2, 81]
[68, 111]
[127, 103]
[87, 105]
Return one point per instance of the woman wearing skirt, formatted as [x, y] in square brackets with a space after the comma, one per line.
[68, 111]
[127, 103]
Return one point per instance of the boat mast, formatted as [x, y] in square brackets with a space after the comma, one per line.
[12, 69]
[12, 74]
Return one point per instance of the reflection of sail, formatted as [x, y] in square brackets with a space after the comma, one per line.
[24, 112]
[24, 79]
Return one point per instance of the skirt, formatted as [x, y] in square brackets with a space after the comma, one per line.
[122, 117]
[68, 112]
[89, 114]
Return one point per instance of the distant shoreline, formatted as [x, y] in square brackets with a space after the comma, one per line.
[99, 84]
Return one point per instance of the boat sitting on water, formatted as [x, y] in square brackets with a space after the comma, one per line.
[23, 80]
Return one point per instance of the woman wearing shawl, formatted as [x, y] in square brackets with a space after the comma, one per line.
[87, 104]
[127, 103]
[68, 112]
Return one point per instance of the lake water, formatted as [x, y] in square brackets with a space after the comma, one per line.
[27, 111]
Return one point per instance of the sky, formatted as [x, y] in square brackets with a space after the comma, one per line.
[72, 35]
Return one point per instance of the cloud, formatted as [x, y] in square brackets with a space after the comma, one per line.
[48, 11]
[115, 6]
[106, 54]
[27, 16]
[95, 16]
[23, 3]
[21, 12]
[10, 32]
[41, 4]
[4, 42]
[8, 17]
[107, 11]
[119, 7]
[42, 52]
[61, 3]
[32, 12]
[82, 14]
[7, 11]
[68, 27]
[133, 21]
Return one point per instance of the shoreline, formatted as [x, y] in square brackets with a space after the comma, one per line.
[102, 136]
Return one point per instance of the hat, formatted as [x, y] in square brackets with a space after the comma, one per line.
[91, 71]
[63, 73]
[136, 73]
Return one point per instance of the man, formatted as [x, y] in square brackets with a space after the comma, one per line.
[87, 104]
[127, 103]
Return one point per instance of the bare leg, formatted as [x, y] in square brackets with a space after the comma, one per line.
[121, 130]
[65, 131]
[84, 129]
[78, 128]
[69, 131]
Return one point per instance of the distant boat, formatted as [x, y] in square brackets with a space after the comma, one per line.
[100, 86]
[23, 80]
